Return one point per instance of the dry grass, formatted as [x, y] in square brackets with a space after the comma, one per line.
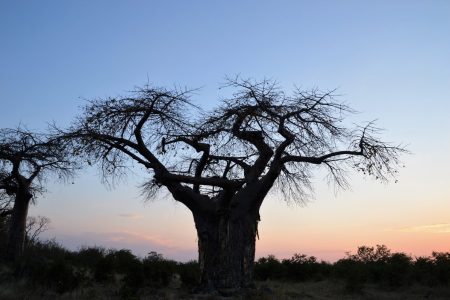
[336, 290]
[264, 291]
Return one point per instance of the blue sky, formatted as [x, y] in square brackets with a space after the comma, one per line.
[389, 60]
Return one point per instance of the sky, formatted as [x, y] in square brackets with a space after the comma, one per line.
[389, 60]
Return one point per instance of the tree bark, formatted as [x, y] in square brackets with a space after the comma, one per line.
[16, 238]
[226, 247]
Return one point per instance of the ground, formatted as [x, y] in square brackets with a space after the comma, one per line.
[264, 290]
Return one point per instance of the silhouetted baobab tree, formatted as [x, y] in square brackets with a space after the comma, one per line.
[26, 159]
[222, 164]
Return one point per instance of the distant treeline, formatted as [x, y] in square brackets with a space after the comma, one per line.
[369, 265]
[49, 265]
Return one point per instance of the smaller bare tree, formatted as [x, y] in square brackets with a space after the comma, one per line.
[26, 160]
[35, 227]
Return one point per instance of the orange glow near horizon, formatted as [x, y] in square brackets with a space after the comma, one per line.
[327, 227]
[333, 246]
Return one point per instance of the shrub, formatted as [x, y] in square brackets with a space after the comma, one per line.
[300, 267]
[189, 273]
[104, 269]
[268, 268]
[49, 249]
[38, 257]
[423, 270]
[58, 274]
[398, 269]
[61, 277]
[157, 270]
[4, 224]
[89, 257]
[123, 260]
[353, 273]
[442, 267]
[134, 275]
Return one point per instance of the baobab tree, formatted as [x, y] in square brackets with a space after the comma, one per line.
[26, 160]
[221, 164]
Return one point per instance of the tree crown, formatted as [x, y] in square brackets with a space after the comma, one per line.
[259, 135]
[26, 158]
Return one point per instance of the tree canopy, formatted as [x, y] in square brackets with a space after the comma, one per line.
[260, 133]
[26, 158]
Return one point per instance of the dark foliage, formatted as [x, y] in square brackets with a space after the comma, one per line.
[268, 268]
[299, 267]
[90, 257]
[189, 273]
[3, 234]
[442, 267]
[49, 265]
[369, 265]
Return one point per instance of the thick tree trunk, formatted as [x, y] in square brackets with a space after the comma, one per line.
[226, 247]
[16, 238]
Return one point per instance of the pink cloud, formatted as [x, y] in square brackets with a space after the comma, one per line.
[432, 228]
[135, 237]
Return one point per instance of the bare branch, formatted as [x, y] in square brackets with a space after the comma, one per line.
[258, 137]
[26, 158]
[35, 226]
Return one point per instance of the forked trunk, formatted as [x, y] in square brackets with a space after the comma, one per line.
[16, 238]
[226, 247]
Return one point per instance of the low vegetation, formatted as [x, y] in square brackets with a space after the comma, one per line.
[48, 270]
[370, 265]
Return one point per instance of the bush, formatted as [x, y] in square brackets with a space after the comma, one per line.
[268, 268]
[123, 260]
[4, 223]
[398, 270]
[157, 270]
[189, 273]
[89, 257]
[132, 281]
[61, 277]
[423, 270]
[58, 274]
[39, 256]
[376, 265]
[442, 267]
[352, 272]
[301, 267]
[104, 269]
[49, 249]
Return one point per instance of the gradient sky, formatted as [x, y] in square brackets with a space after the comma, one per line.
[390, 60]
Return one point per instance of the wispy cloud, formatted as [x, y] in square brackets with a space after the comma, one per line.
[432, 228]
[130, 216]
[135, 237]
